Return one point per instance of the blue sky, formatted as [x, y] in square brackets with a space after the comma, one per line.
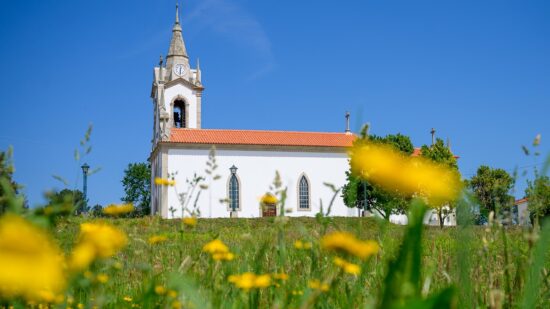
[477, 71]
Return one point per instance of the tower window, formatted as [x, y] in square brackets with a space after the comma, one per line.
[179, 114]
[303, 193]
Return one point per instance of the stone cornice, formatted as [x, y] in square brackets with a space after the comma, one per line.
[198, 88]
[281, 148]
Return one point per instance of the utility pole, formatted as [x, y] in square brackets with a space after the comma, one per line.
[433, 136]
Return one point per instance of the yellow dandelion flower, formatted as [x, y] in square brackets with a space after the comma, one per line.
[347, 243]
[347, 267]
[215, 246]
[160, 290]
[31, 264]
[80, 306]
[318, 285]
[102, 278]
[176, 304]
[157, 239]
[262, 281]
[306, 245]
[172, 294]
[117, 210]
[409, 175]
[190, 221]
[223, 256]
[164, 182]
[96, 240]
[268, 198]
[127, 299]
[248, 280]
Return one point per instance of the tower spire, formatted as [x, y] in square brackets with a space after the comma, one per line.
[177, 51]
[177, 13]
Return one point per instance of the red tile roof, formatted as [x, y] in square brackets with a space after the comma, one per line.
[257, 137]
[521, 201]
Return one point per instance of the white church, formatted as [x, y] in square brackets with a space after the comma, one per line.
[247, 159]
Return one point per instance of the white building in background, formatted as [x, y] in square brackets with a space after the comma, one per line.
[247, 160]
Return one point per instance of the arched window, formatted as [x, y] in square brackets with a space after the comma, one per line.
[179, 114]
[303, 193]
[234, 193]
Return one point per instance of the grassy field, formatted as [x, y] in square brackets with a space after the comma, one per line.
[176, 272]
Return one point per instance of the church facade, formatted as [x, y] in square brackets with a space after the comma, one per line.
[247, 160]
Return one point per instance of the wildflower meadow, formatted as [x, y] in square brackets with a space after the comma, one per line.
[51, 259]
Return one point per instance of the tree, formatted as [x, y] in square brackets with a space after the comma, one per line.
[96, 211]
[67, 201]
[6, 177]
[491, 188]
[538, 197]
[362, 194]
[440, 153]
[137, 187]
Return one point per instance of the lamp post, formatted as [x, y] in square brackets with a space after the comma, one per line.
[233, 214]
[85, 168]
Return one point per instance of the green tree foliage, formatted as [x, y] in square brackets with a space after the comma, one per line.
[137, 187]
[6, 179]
[363, 194]
[440, 153]
[538, 197]
[66, 201]
[491, 188]
[96, 210]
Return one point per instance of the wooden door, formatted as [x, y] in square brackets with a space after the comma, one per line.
[269, 210]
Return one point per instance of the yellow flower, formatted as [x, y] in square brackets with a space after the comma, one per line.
[347, 267]
[172, 293]
[81, 306]
[347, 243]
[215, 246]
[262, 281]
[297, 292]
[127, 299]
[160, 290]
[164, 181]
[248, 280]
[280, 276]
[190, 221]
[96, 240]
[157, 239]
[176, 304]
[318, 285]
[408, 175]
[102, 278]
[31, 264]
[306, 245]
[117, 210]
[268, 198]
[225, 256]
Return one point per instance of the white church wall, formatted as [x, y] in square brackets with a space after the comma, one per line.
[256, 171]
[190, 98]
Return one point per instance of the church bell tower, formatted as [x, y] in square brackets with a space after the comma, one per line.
[177, 89]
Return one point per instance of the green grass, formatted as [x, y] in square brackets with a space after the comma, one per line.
[265, 245]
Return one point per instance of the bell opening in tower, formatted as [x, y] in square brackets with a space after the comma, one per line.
[179, 114]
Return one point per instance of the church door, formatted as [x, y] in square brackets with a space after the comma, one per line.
[269, 210]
